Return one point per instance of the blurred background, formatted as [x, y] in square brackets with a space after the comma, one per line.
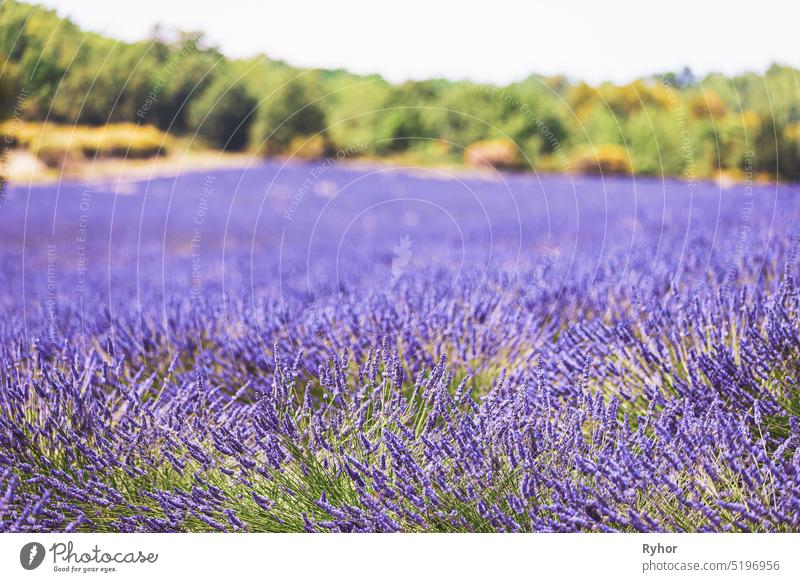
[702, 92]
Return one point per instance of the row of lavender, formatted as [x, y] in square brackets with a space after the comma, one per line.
[306, 349]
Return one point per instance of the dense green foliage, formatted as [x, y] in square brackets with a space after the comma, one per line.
[669, 124]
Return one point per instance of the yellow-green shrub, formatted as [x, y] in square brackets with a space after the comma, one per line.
[606, 158]
[309, 147]
[498, 153]
[55, 143]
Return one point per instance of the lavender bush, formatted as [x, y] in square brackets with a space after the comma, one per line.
[311, 348]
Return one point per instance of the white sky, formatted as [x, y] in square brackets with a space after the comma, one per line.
[489, 41]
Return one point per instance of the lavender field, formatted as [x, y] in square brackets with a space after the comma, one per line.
[313, 347]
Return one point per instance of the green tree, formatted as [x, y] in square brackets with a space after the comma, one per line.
[223, 113]
[288, 113]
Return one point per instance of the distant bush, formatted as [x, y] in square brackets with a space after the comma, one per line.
[707, 104]
[54, 144]
[311, 148]
[790, 152]
[496, 153]
[604, 158]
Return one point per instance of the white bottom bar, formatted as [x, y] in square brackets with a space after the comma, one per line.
[409, 557]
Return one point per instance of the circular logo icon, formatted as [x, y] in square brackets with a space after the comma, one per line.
[31, 555]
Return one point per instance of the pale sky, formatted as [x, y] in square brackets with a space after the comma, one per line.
[490, 41]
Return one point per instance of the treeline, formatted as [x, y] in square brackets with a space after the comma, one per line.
[670, 124]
